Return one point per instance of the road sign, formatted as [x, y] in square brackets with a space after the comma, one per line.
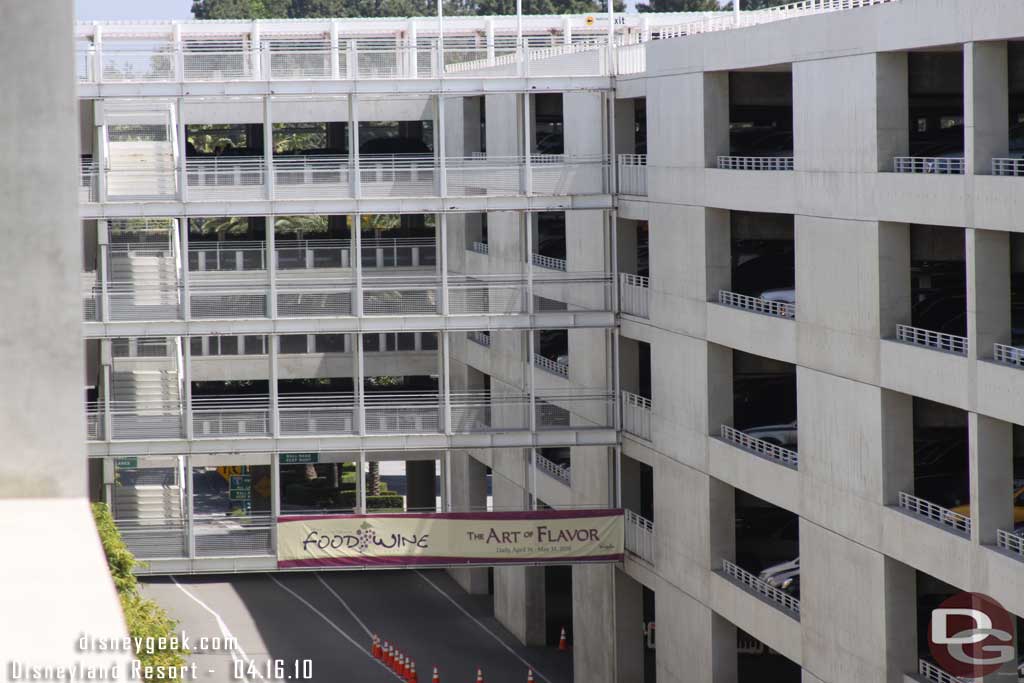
[300, 458]
[240, 487]
[126, 463]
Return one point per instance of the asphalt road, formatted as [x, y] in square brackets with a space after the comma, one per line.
[328, 618]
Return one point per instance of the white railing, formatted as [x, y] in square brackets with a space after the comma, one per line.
[760, 446]
[630, 58]
[481, 337]
[935, 513]
[756, 304]
[932, 340]
[940, 165]
[723, 22]
[759, 587]
[734, 163]
[552, 366]
[87, 182]
[633, 174]
[1011, 542]
[549, 262]
[480, 248]
[640, 536]
[935, 674]
[634, 294]
[554, 470]
[1009, 355]
[1008, 167]
[231, 536]
[636, 415]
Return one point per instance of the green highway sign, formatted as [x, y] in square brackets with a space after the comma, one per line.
[126, 463]
[299, 458]
[240, 487]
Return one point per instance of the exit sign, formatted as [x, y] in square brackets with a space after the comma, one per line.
[126, 463]
[299, 458]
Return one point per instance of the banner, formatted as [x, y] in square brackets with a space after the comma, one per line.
[487, 538]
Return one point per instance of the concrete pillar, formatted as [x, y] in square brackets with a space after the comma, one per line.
[629, 622]
[892, 104]
[717, 251]
[519, 600]
[716, 116]
[722, 516]
[625, 126]
[988, 291]
[469, 492]
[583, 123]
[991, 471]
[986, 105]
[626, 248]
[893, 277]
[420, 488]
[594, 632]
[897, 445]
[900, 591]
[720, 391]
[723, 650]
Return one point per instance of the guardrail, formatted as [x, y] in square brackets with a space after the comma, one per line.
[1011, 542]
[481, 337]
[759, 587]
[939, 165]
[630, 58]
[636, 415]
[552, 366]
[933, 673]
[634, 294]
[554, 470]
[639, 536]
[231, 536]
[480, 248]
[779, 309]
[1008, 166]
[936, 513]
[1008, 355]
[549, 262]
[939, 341]
[734, 163]
[633, 174]
[760, 446]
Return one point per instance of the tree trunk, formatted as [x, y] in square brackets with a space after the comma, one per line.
[373, 485]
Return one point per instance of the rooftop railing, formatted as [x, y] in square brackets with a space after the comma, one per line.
[756, 304]
[735, 163]
[634, 294]
[1008, 355]
[760, 446]
[939, 165]
[639, 536]
[1008, 166]
[636, 415]
[940, 341]
[935, 513]
[759, 587]
[633, 174]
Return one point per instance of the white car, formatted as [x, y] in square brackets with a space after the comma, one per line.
[785, 295]
[778, 574]
[784, 435]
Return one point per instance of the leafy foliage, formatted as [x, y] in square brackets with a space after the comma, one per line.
[144, 617]
[281, 9]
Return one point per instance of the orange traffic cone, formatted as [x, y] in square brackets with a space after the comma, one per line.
[412, 677]
[375, 647]
[403, 666]
[386, 656]
[563, 644]
[479, 676]
[529, 676]
[399, 663]
[436, 678]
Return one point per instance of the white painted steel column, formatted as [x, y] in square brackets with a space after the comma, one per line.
[257, 52]
[335, 61]
[530, 382]
[182, 156]
[409, 59]
[617, 502]
[270, 259]
[489, 28]
[179, 53]
[275, 414]
[103, 248]
[613, 229]
[268, 147]
[186, 385]
[357, 264]
[186, 282]
[446, 380]
[106, 360]
[440, 39]
[735, 11]
[566, 31]
[616, 382]
[191, 527]
[448, 481]
[357, 385]
[526, 221]
[353, 144]
[533, 479]
[527, 148]
[440, 147]
[442, 261]
[610, 141]
[361, 484]
[97, 44]
[275, 497]
[101, 152]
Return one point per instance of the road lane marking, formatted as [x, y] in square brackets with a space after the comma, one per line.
[337, 628]
[235, 643]
[344, 604]
[494, 635]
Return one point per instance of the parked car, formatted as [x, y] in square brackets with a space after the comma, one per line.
[784, 435]
[786, 295]
[778, 574]
[1018, 507]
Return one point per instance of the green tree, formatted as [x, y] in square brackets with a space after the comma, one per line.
[300, 9]
[241, 9]
[679, 6]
